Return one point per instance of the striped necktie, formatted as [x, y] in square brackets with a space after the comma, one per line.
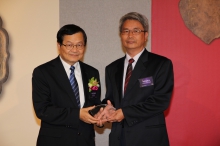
[74, 85]
[128, 73]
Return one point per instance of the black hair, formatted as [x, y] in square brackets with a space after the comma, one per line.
[70, 29]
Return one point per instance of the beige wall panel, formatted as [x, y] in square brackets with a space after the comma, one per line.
[32, 27]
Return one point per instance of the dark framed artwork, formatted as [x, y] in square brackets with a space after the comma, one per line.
[4, 55]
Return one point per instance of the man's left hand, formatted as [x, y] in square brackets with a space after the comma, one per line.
[117, 116]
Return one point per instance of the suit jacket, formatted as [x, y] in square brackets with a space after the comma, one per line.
[55, 104]
[147, 95]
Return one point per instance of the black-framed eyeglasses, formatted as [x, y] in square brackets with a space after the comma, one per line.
[71, 46]
[134, 31]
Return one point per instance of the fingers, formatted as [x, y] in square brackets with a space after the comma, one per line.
[117, 116]
[89, 108]
[92, 120]
[106, 112]
[98, 113]
[101, 113]
[100, 124]
[86, 117]
[100, 118]
[109, 102]
[112, 118]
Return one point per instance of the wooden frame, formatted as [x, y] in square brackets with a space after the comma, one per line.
[4, 55]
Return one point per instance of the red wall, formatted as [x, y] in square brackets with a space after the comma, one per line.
[193, 118]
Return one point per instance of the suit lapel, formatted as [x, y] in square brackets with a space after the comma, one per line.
[137, 71]
[85, 81]
[119, 77]
[62, 78]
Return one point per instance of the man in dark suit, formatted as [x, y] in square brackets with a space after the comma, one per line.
[63, 104]
[141, 92]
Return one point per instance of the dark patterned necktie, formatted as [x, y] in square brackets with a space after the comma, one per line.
[74, 85]
[128, 73]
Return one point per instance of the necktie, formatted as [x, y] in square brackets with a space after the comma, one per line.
[128, 73]
[74, 85]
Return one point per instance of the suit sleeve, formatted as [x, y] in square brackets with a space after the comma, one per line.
[45, 106]
[109, 89]
[156, 102]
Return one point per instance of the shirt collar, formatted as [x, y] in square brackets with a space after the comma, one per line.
[136, 57]
[67, 66]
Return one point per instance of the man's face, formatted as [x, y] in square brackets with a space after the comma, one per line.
[130, 41]
[72, 54]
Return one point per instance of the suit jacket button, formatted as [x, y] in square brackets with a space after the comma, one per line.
[79, 133]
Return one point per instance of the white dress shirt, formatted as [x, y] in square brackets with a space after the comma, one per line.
[136, 57]
[78, 76]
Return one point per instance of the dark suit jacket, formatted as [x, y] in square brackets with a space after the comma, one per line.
[55, 104]
[143, 107]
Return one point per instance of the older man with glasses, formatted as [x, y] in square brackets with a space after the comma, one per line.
[61, 95]
[139, 86]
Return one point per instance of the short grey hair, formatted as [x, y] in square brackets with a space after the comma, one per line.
[134, 16]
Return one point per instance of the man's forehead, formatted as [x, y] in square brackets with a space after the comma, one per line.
[132, 24]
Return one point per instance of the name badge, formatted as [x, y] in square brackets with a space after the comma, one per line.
[92, 94]
[148, 81]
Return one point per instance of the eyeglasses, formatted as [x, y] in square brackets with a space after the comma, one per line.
[71, 46]
[134, 31]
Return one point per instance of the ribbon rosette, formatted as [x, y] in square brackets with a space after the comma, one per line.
[93, 84]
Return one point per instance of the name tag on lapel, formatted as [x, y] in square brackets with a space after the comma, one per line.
[148, 81]
[92, 94]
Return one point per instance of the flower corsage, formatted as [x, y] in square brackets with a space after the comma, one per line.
[93, 84]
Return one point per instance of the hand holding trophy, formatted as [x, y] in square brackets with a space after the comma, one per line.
[102, 112]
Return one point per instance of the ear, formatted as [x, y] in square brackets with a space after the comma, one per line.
[58, 47]
[146, 36]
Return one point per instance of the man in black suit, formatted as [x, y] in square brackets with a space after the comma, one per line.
[61, 104]
[141, 92]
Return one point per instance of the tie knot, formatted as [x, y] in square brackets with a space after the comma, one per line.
[72, 68]
[131, 61]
